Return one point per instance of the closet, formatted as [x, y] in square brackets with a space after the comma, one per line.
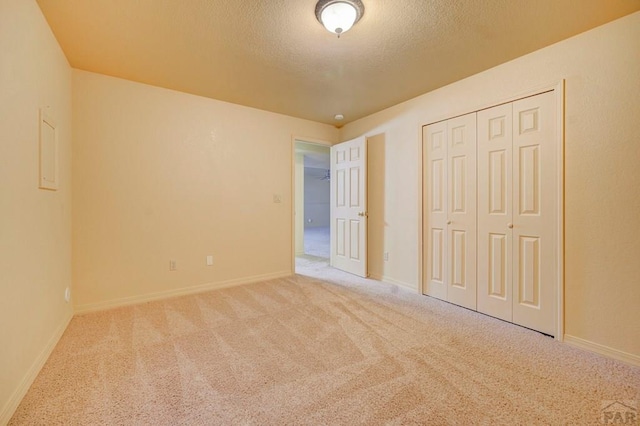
[491, 217]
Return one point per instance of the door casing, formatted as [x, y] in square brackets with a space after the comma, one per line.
[295, 139]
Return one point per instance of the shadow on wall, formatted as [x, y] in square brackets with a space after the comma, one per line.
[376, 148]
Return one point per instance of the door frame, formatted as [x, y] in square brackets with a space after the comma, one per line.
[558, 88]
[311, 141]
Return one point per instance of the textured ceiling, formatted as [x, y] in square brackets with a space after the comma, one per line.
[274, 54]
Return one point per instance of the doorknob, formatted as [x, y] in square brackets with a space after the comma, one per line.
[510, 225]
[448, 222]
[362, 214]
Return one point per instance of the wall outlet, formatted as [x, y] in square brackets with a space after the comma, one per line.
[173, 265]
[386, 256]
[67, 294]
[277, 198]
[209, 260]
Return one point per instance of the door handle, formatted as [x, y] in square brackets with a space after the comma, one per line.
[363, 214]
[510, 225]
[448, 222]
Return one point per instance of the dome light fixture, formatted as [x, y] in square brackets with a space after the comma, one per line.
[338, 16]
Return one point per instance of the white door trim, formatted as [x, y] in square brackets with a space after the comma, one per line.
[559, 93]
[558, 89]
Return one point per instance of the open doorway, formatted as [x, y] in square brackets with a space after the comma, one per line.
[312, 213]
[316, 206]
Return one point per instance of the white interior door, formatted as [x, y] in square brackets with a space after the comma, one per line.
[535, 212]
[434, 151]
[461, 221]
[349, 206]
[495, 220]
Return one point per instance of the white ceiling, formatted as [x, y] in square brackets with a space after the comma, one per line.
[274, 54]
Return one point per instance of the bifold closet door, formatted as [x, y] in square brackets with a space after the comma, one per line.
[509, 208]
[449, 150]
[517, 212]
[495, 217]
[434, 151]
[535, 212]
[461, 221]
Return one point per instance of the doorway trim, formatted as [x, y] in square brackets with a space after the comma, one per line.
[312, 141]
[558, 88]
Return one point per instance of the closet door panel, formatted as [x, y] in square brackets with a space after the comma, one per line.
[535, 221]
[495, 200]
[461, 223]
[434, 151]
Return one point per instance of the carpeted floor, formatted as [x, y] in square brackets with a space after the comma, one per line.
[322, 347]
[316, 242]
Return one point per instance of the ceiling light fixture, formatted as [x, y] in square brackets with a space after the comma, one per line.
[338, 16]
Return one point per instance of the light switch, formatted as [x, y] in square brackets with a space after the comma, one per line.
[209, 260]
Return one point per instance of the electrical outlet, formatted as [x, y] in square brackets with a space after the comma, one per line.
[386, 256]
[173, 265]
[277, 198]
[209, 260]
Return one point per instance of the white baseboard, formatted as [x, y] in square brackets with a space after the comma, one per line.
[12, 404]
[389, 280]
[143, 298]
[602, 350]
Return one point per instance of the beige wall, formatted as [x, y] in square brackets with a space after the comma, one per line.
[602, 150]
[376, 207]
[162, 175]
[35, 225]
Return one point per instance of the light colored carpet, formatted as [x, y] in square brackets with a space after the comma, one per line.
[316, 242]
[306, 350]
